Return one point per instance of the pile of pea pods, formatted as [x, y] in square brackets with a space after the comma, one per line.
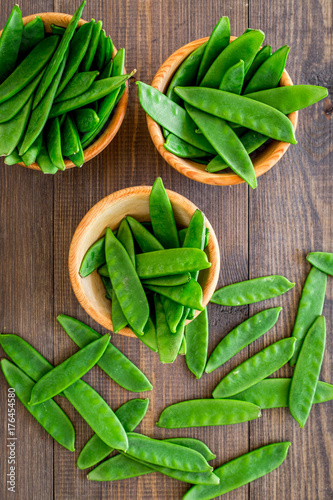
[57, 91]
[224, 102]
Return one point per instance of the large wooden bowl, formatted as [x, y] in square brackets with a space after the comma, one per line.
[263, 161]
[109, 212]
[118, 115]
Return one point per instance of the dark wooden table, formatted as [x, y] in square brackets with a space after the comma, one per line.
[266, 231]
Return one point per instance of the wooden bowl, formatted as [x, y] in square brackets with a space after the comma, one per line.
[263, 161]
[118, 115]
[109, 212]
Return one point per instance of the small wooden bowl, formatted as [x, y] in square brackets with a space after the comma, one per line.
[109, 212]
[264, 160]
[112, 128]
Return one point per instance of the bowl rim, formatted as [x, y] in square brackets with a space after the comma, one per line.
[264, 161]
[96, 211]
[119, 113]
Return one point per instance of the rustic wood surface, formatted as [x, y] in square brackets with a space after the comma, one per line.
[269, 230]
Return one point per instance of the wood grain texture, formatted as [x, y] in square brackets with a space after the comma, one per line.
[267, 231]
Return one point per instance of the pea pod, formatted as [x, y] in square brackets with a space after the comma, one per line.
[181, 148]
[117, 468]
[31, 154]
[10, 42]
[11, 132]
[173, 312]
[310, 306]
[100, 52]
[162, 217]
[290, 98]
[125, 237]
[32, 34]
[94, 258]
[108, 287]
[107, 71]
[207, 412]
[113, 362]
[109, 50]
[44, 162]
[175, 280]
[86, 119]
[80, 83]
[269, 73]
[92, 48]
[77, 158]
[69, 138]
[242, 470]
[194, 444]
[322, 261]
[53, 141]
[57, 30]
[168, 343]
[146, 241]
[241, 336]
[233, 79]
[12, 158]
[118, 319]
[188, 295]
[48, 414]
[256, 368]
[251, 291]
[149, 335]
[196, 334]
[261, 56]
[218, 41]
[118, 63]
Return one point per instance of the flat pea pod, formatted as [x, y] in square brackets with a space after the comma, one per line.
[242, 470]
[251, 291]
[322, 261]
[32, 34]
[226, 143]
[177, 279]
[118, 319]
[171, 261]
[56, 61]
[100, 52]
[11, 132]
[93, 258]
[69, 371]
[218, 41]
[149, 335]
[244, 47]
[130, 415]
[53, 141]
[86, 119]
[256, 368]
[125, 237]
[77, 158]
[290, 98]
[69, 138]
[117, 468]
[162, 217]
[194, 444]
[310, 306]
[108, 50]
[269, 73]
[48, 414]
[77, 85]
[113, 362]
[92, 48]
[165, 454]
[118, 63]
[233, 79]
[168, 343]
[207, 412]
[31, 154]
[181, 148]
[78, 48]
[108, 287]
[146, 241]
[10, 42]
[188, 295]
[107, 71]
[195, 234]
[261, 56]
[12, 158]
[171, 116]
[173, 312]
[44, 162]
[103, 271]
[307, 370]
[239, 109]
[241, 336]
[183, 346]
[196, 335]
[57, 30]
[126, 283]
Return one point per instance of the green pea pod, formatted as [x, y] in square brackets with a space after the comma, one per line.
[262, 55]
[183, 346]
[256, 368]
[226, 143]
[118, 319]
[269, 73]
[310, 306]
[107, 71]
[103, 271]
[207, 412]
[57, 30]
[53, 141]
[233, 79]
[197, 335]
[239, 109]
[78, 49]
[125, 237]
[10, 42]
[146, 241]
[108, 287]
[168, 343]
[100, 52]
[86, 119]
[108, 50]
[130, 415]
[162, 217]
[175, 280]
[173, 312]
[11, 132]
[181, 148]
[69, 371]
[13, 158]
[69, 138]
[31, 154]
[241, 336]
[32, 34]
[322, 261]
[44, 162]
[307, 370]
[113, 362]
[48, 414]
[58, 56]
[149, 335]
[93, 45]
[94, 258]
[242, 470]
[194, 444]
[188, 295]
[118, 63]
[117, 468]
[80, 83]
[243, 48]
[218, 41]
[77, 158]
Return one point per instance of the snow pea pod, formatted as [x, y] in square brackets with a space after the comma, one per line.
[44, 162]
[103, 271]
[181, 148]
[239, 109]
[262, 55]
[108, 287]
[269, 73]
[92, 48]
[233, 79]
[168, 343]
[183, 346]
[218, 41]
[56, 61]
[256, 368]
[108, 50]
[207, 412]
[118, 63]
[48, 414]
[194, 444]
[195, 234]
[118, 319]
[77, 158]
[307, 370]
[149, 335]
[126, 283]
[113, 362]
[86, 119]
[173, 312]
[69, 371]
[244, 47]
[77, 85]
[242, 470]
[69, 138]
[188, 295]
[197, 334]
[290, 98]
[171, 261]
[99, 58]
[162, 217]
[177, 279]
[32, 34]
[130, 415]
[117, 468]
[146, 241]
[310, 306]
[53, 141]
[12, 158]
[241, 336]
[125, 237]
[251, 291]
[322, 261]
[107, 71]
[10, 41]
[94, 258]
[11, 132]
[57, 30]
[31, 154]
[226, 143]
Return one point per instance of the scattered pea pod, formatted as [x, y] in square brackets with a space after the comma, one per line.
[10, 42]
[322, 261]
[196, 335]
